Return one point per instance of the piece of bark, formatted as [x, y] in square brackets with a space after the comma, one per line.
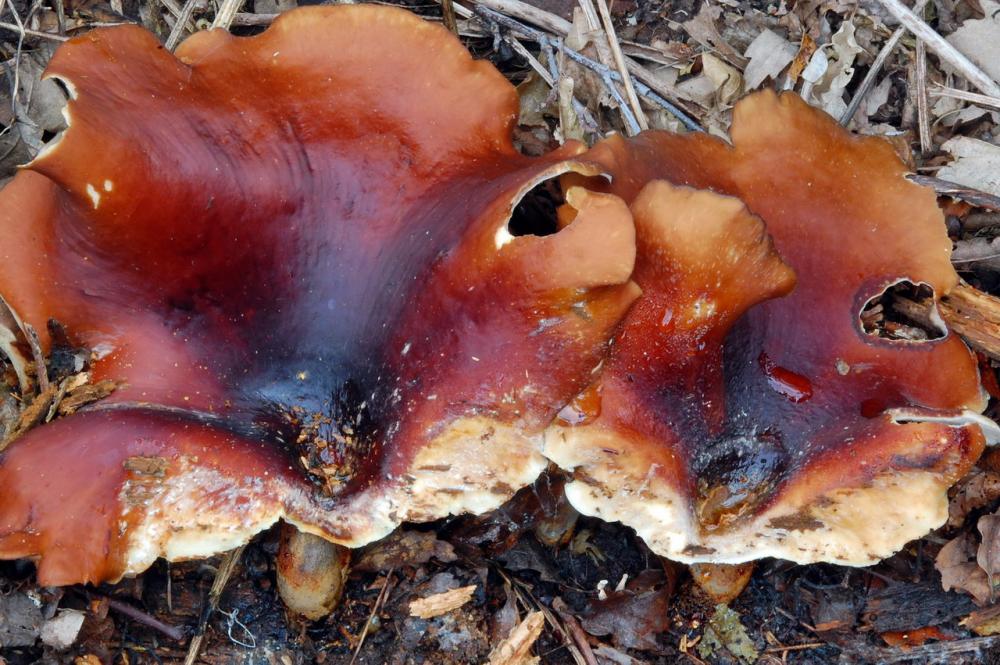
[441, 603]
[975, 316]
[516, 649]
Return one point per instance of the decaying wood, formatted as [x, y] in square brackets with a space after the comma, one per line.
[975, 316]
[516, 649]
[441, 603]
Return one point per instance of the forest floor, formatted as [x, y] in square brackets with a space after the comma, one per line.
[604, 596]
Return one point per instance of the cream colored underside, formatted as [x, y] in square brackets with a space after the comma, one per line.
[855, 526]
[197, 512]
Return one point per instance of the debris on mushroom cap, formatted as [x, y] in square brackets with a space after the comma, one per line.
[293, 246]
[791, 432]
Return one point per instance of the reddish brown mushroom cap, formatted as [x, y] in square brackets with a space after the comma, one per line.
[793, 433]
[293, 238]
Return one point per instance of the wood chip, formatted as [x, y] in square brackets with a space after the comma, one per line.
[516, 648]
[441, 603]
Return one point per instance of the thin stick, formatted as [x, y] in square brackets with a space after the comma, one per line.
[522, 10]
[371, 617]
[942, 48]
[181, 23]
[226, 569]
[616, 52]
[137, 615]
[869, 81]
[245, 19]
[923, 115]
[227, 12]
[33, 33]
[974, 97]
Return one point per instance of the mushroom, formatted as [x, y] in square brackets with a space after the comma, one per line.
[744, 412]
[292, 251]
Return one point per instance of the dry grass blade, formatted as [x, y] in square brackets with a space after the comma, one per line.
[923, 113]
[942, 48]
[616, 51]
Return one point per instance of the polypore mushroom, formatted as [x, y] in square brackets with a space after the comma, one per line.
[293, 251]
[744, 412]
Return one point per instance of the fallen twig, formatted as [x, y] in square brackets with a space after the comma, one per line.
[137, 615]
[616, 52]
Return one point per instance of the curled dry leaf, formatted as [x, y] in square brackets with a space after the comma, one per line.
[978, 489]
[959, 571]
[768, 55]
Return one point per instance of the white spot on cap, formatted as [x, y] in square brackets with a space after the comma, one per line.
[108, 185]
[95, 196]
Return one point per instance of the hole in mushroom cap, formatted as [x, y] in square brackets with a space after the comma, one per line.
[537, 213]
[903, 311]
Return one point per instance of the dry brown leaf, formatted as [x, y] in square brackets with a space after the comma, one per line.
[769, 54]
[957, 564]
[702, 29]
[979, 488]
[516, 649]
[441, 603]
[984, 622]
[976, 165]
[727, 79]
[988, 554]
[979, 39]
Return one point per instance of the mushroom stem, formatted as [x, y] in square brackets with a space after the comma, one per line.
[723, 583]
[311, 572]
